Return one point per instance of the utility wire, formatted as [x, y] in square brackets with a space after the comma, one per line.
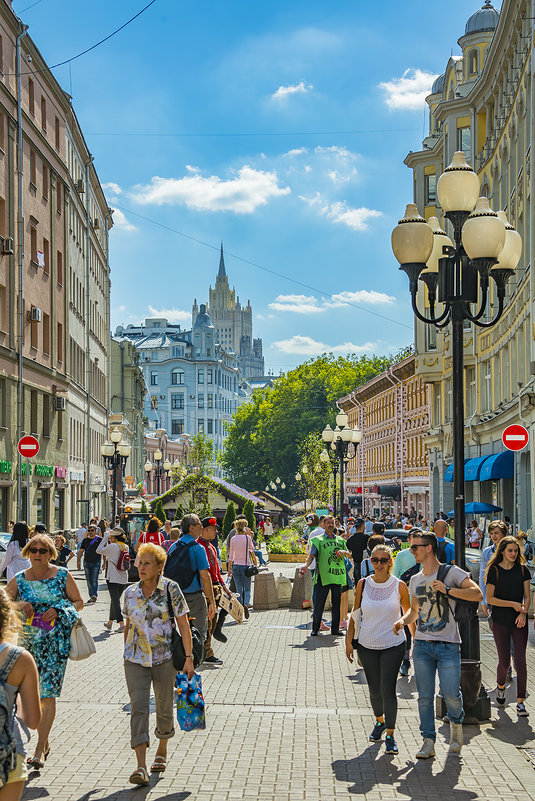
[258, 133]
[260, 266]
[28, 7]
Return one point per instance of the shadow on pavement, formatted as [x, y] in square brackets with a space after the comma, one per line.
[516, 733]
[132, 792]
[315, 643]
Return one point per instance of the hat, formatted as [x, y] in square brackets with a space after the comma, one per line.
[210, 521]
[358, 521]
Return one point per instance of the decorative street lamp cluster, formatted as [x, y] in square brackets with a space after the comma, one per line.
[161, 470]
[343, 441]
[115, 455]
[458, 275]
[275, 485]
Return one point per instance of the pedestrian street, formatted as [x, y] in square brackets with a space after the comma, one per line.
[287, 718]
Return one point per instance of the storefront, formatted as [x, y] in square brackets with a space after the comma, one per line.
[6, 484]
[59, 497]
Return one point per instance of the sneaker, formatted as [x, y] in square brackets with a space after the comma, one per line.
[427, 750]
[324, 627]
[246, 612]
[521, 710]
[456, 737]
[93, 599]
[500, 695]
[213, 660]
[337, 633]
[313, 633]
[404, 669]
[378, 731]
[391, 745]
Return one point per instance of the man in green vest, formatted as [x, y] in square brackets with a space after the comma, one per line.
[329, 551]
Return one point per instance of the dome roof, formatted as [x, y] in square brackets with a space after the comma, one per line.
[486, 19]
[438, 85]
[203, 320]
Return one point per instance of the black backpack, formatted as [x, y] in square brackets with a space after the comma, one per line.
[441, 551]
[178, 565]
[410, 572]
[464, 610]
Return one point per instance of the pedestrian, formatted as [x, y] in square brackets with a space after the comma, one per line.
[13, 561]
[379, 598]
[344, 599]
[166, 529]
[206, 539]
[114, 547]
[329, 552]
[475, 535]
[241, 555]
[88, 549]
[50, 600]
[357, 544]
[446, 548]
[10, 526]
[497, 531]
[147, 656]
[508, 594]
[405, 567]
[18, 674]
[152, 534]
[366, 567]
[64, 552]
[268, 530]
[81, 534]
[187, 565]
[436, 641]
[174, 535]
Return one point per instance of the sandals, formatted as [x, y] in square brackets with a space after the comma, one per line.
[139, 776]
[36, 764]
[108, 625]
[159, 764]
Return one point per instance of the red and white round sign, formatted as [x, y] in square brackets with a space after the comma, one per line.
[28, 446]
[515, 437]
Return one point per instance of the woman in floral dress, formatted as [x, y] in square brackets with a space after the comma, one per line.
[49, 599]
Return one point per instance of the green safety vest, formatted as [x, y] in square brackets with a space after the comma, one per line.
[332, 569]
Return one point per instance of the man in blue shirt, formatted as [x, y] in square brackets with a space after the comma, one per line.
[196, 564]
[445, 548]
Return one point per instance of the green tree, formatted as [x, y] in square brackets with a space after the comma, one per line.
[159, 512]
[179, 513]
[316, 474]
[201, 454]
[228, 520]
[248, 511]
[144, 509]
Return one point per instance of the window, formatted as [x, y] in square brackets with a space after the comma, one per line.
[201, 400]
[473, 62]
[1, 55]
[60, 342]
[43, 113]
[431, 337]
[59, 265]
[2, 217]
[33, 174]
[46, 256]
[33, 412]
[57, 133]
[177, 427]
[430, 189]
[177, 376]
[46, 333]
[210, 401]
[46, 415]
[154, 401]
[31, 97]
[210, 426]
[470, 390]
[200, 375]
[154, 379]
[59, 508]
[200, 426]
[59, 196]
[464, 141]
[45, 180]
[2, 131]
[209, 376]
[177, 401]
[486, 388]
[3, 315]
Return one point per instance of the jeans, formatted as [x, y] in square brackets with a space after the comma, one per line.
[381, 668]
[243, 584]
[428, 657]
[260, 557]
[91, 570]
[322, 591]
[115, 591]
[504, 637]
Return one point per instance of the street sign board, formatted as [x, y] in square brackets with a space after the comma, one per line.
[515, 437]
[28, 446]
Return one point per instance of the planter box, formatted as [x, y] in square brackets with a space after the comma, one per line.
[287, 557]
[223, 564]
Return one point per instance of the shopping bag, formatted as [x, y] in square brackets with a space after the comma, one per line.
[232, 606]
[190, 702]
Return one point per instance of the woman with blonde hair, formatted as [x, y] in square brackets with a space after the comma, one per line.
[115, 549]
[380, 651]
[147, 655]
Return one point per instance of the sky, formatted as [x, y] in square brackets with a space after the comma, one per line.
[278, 128]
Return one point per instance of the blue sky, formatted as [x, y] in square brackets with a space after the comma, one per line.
[279, 128]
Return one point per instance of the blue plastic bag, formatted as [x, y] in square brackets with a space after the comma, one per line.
[190, 707]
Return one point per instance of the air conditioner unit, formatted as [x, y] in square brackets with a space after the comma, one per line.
[79, 184]
[59, 404]
[35, 314]
[162, 397]
[8, 246]
[96, 223]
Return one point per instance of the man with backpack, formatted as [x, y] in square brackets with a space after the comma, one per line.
[445, 548]
[187, 564]
[208, 535]
[439, 593]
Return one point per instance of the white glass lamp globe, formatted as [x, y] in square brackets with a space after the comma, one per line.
[357, 435]
[483, 233]
[341, 419]
[327, 434]
[107, 449]
[512, 249]
[115, 435]
[440, 239]
[412, 238]
[458, 186]
[147, 467]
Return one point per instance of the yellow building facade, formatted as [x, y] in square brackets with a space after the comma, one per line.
[483, 104]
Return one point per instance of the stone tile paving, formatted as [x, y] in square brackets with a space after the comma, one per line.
[287, 718]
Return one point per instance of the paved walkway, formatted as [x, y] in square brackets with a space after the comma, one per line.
[287, 719]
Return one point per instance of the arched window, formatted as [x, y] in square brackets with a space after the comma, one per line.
[473, 62]
[177, 376]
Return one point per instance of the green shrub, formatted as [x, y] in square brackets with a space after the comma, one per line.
[248, 511]
[228, 520]
[144, 509]
[159, 512]
[179, 513]
[287, 540]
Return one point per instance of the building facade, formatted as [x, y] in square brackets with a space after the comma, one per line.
[127, 395]
[483, 105]
[390, 471]
[233, 324]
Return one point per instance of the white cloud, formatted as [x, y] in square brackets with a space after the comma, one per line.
[306, 346]
[297, 151]
[121, 223]
[292, 89]
[112, 188]
[409, 91]
[362, 296]
[340, 212]
[309, 304]
[242, 194]
[172, 315]
[300, 304]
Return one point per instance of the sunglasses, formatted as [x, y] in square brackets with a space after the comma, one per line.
[39, 550]
[380, 561]
[419, 545]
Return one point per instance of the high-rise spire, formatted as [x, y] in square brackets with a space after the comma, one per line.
[222, 272]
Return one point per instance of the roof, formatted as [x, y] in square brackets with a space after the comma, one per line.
[222, 272]
[263, 494]
[486, 19]
[203, 319]
[230, 491]
[438, 86]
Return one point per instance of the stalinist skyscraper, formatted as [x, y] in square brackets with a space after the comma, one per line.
[233, 323]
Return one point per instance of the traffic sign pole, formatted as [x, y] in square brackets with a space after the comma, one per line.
[27, 492]
[27, 446]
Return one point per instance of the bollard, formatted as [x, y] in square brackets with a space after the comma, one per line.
[284, 590]
[265, 592]
[301, 590]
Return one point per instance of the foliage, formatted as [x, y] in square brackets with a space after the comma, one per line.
[248, 511]
[287, 540]
[201, 454]
[144, 509]
[158, 511]
[177, 474]
[228, 520]
[298, 523]
[223, 552]
[316, 476]
[179, 512]
[265, 436]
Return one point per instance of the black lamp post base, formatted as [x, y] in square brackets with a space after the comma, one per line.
[474, 714]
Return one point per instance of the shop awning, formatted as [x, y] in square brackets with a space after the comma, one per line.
[448, 475]
[499, 465]
[472, 468]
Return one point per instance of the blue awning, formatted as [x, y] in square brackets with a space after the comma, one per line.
[500, 465]
[448, 475]
[472, 468]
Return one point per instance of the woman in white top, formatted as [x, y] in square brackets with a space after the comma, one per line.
[114, 547]
[13, 560]
[379, 598]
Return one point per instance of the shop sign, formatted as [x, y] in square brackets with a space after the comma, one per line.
[44, 470]
[5, 466]
[61, 472]
[26, 466]
[77, 475]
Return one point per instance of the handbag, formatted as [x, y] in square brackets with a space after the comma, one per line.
[356, 614]
[250, 570]
[82, 643]
[190, 706]
[178, 654]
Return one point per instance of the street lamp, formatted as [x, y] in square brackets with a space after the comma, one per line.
[343, 441]
[115, 455]
[161, 470]
[457, 275]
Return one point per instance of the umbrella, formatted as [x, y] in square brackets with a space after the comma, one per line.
[476, 507]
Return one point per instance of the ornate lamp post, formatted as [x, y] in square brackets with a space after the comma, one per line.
[115, 455]
[161, 470]
[458, 275]
[343, 441]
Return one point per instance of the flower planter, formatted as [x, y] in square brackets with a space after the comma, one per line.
[223, 564]
[287, 557]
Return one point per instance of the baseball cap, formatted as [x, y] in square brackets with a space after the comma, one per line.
[359, 521]
[210, 521]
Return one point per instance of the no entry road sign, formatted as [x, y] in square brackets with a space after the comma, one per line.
[28, 446]
[515, 437]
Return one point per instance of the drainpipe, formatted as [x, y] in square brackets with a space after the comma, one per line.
[398, 382]
[88, 342]
[20, 384]
[108, 323]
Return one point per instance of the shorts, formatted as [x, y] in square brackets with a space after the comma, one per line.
[19, 772]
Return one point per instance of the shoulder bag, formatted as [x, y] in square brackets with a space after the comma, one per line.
[250, 570]
[356, 614]
[82, 643]
[178, 654]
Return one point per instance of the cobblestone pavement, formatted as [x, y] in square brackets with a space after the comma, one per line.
[287, 718]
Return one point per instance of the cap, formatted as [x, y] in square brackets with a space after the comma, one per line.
[210, 521]
[359, 521]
